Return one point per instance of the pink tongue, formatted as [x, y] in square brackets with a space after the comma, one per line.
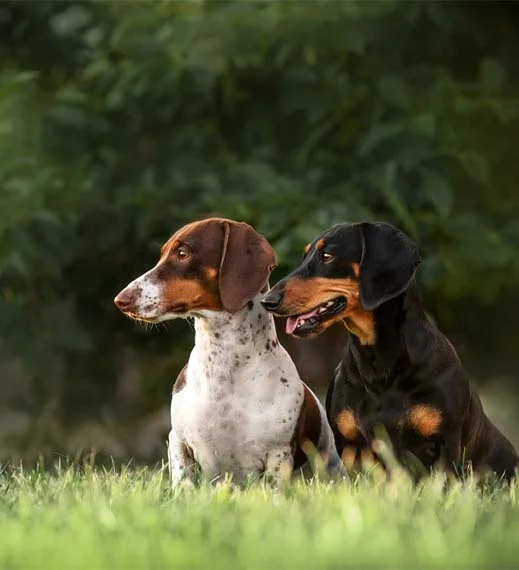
[292, 321]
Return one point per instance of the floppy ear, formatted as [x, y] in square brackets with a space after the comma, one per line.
[245, 267]
[387, 266]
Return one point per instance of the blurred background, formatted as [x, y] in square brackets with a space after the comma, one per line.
[121, 121]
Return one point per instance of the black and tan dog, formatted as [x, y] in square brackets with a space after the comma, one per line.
[398, 369]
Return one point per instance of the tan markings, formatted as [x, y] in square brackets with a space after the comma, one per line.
[356, 269]
[307, 248]
[188, 295]
[208, 233]
[168, 247]
[303, 295]
[205, 240]
[346, 424]
[362, 324]
[320, 244]
[367, 459]
[191, 294]
[424, 419]
[348, 457]
[308, 430]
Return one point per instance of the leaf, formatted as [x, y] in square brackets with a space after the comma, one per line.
[475, 165]
[380, 133]
[424, 124]
[393, 90]
[492, 76]
[438, 192]
[70, 21]
[394, 201]
[432, 271]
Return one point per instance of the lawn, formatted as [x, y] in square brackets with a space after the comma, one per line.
[98, 519]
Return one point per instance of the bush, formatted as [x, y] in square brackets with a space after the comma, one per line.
[121, 122]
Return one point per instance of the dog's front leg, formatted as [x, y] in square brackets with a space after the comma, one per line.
[451, 452]
[279, 465]
[180, 461]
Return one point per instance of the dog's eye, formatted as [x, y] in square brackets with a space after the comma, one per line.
[182, 253]
[327, 257]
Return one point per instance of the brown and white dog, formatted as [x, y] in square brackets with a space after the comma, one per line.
[238, 407]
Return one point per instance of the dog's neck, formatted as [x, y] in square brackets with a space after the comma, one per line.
[395, 323]
[228, 342]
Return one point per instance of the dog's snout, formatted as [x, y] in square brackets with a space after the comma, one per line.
[272, 300]
[124, 300]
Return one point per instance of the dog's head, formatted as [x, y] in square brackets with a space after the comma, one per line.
[347, 272]
[214, 264]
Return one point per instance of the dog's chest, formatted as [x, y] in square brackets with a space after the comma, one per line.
[232, 413]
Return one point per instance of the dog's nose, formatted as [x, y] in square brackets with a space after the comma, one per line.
[272, 300]
[124, 300]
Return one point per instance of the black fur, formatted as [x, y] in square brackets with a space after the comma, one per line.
[411, 363]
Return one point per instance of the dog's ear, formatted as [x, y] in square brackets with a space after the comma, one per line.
[245, 267]
[388, 264]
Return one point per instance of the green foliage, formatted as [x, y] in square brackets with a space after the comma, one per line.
[130, 520]
[121, 121]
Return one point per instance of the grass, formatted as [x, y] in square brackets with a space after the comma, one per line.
[121, 520]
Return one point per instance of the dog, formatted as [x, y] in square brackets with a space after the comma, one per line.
[398, 371]
[239, 407]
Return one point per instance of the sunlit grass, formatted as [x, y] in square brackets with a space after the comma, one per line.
[130, 519]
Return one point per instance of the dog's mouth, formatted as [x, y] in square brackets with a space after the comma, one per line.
[136, 317]
[180, 311]
[306, 323]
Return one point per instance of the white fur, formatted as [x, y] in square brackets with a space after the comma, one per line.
[147, 297]
[235, 412]
[239, 407]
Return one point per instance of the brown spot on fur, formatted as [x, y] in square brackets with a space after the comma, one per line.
[320, 244]
[304, 295]
[307, 248]
[425, 419]
[356, 269]
[346, 424]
